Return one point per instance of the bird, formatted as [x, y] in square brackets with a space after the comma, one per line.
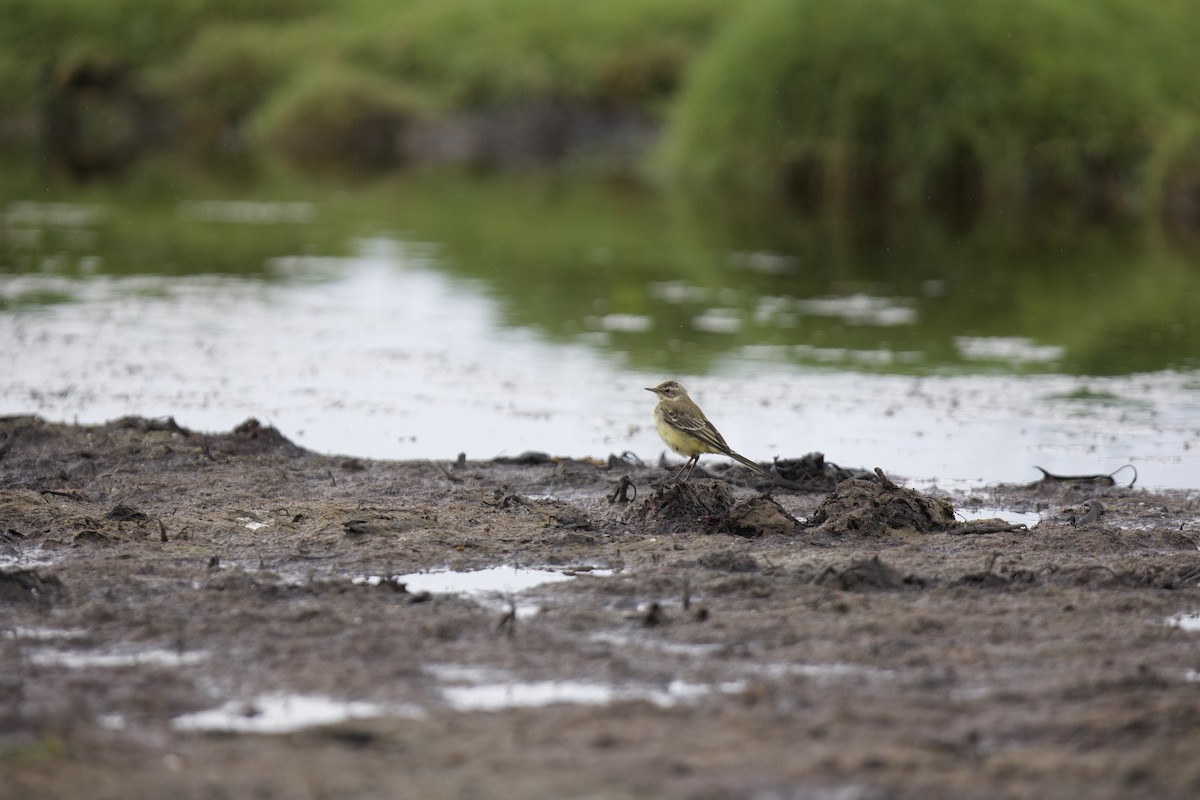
[685, 429]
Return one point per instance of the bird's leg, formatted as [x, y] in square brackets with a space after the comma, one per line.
[677, 474]
[691, 465]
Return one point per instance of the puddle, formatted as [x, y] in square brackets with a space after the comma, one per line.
[28, 560]
[462, 673]
[689, 649]
[132, 658]
[1027, 518]
[1186, 622]
[487, 689]
[43, 634]
[537, 694]
[113, 722]
[285, 713]
[822, 671]
[772, 670]
[492, 580]
[491, 587]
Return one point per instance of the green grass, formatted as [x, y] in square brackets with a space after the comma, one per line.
[227, 66]
[480, 52]
[831, 105]
[336, 114]
[228, 71]
[43, 42]
[845, 103]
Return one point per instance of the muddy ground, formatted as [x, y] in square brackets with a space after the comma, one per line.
[148, 573]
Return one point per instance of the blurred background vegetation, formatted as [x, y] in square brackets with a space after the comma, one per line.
[825, 105]
[341, 82]
[905, 102]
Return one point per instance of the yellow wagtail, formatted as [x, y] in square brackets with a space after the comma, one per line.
[685, 429]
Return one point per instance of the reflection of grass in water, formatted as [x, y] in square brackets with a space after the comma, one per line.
[559, 253]
[1084, 394]
[561, 256]
[1117, 298]
[141, 227]
[1084, 401]
[33, 298]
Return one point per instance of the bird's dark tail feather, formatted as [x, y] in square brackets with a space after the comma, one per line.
[766, 473]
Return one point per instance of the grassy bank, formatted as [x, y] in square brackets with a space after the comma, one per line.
[316, 78]
[850, 103]
[825, 104]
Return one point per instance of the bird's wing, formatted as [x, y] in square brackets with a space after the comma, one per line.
[699, 427]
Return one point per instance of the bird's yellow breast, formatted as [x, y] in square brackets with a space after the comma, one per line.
[682, 443]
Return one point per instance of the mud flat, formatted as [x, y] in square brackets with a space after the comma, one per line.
[200, 615]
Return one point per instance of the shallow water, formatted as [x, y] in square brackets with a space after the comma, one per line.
[285, 713]
[515, 694]
[1186, 622]
[114, 659]
[1027, 518]
[502, 579]
[395, 346]
[493, 587]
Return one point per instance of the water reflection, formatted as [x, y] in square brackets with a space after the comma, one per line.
[425, 318]
[623, 271]
[571, 259]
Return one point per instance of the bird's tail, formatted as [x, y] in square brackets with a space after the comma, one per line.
[766, 473]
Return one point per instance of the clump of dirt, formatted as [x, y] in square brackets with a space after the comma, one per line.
[29, 586]
[679, 507]
[266, 436]
[760, 516]
[861, 508]
[813, 473]
[862, 575]
[709, 507]
[728, 561]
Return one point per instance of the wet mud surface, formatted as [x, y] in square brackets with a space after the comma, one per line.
[196, 615]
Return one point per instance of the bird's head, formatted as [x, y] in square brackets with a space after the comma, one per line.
[668, 390]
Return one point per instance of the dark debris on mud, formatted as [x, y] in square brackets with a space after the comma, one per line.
[856, 507]
[709, 507]
[814, 474]
[24, 586]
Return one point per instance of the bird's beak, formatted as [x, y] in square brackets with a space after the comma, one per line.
[648, 389]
